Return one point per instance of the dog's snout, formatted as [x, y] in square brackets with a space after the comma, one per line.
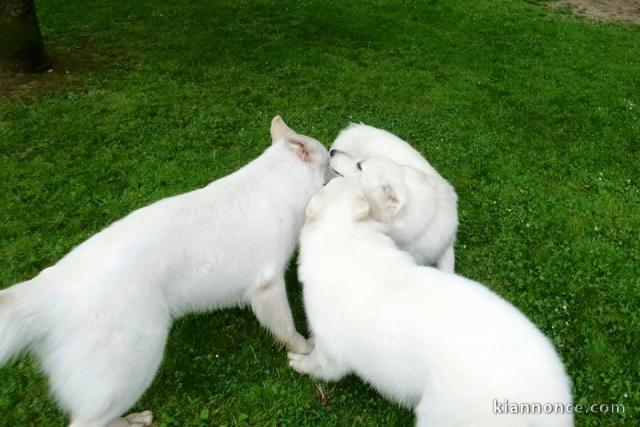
[332, 152]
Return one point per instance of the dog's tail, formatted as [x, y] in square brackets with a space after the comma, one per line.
[20, 319]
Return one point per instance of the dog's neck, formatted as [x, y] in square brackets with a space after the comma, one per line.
[320, 230]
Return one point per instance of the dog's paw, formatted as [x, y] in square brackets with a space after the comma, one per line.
[299, 362]
[137, 419]
[301, 345]
[140, 419]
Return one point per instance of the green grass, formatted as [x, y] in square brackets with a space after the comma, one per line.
[532, 114]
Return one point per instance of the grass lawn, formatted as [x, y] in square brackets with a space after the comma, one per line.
[532, 114]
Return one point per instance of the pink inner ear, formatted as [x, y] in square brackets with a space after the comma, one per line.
[391, 195]
[301, 149]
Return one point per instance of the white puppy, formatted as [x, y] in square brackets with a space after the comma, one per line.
[98, 319]
[435, 342]
[404, 190]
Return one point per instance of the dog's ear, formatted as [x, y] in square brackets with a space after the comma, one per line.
[361, 209]
[391, 200]
[299, 144]
[279, 129]
[300, 147]
[312, 208]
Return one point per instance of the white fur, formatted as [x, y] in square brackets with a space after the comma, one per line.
[405, 192]
[435, 342]
[98, 319]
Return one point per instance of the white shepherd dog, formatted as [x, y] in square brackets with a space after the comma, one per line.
[404, 190]
[98, 319]
[435, 342]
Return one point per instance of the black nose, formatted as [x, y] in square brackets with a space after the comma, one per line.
[332, 152]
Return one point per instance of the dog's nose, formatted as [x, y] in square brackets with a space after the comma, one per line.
[332, 152]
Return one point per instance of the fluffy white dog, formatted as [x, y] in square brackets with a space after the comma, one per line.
[404, 190]
[98, 319]
[435, 342]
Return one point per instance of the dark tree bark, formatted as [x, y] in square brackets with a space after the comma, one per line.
[21, 46]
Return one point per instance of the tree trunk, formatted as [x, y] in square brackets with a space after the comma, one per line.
[21, 46]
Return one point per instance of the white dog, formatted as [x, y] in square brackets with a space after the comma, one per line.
[435, 342]
[98, 319]
[404, 190]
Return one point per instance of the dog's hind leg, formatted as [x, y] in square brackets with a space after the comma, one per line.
[447, 261]
[98, 374]
[110, 389]
[271, 307]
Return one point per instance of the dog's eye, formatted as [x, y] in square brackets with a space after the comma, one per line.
[359, 166]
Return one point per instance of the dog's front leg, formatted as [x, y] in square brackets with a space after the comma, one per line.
[271, 307]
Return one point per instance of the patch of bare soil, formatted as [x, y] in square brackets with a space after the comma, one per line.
[18, 83]
[604, 10]
[66, 70]
[28, 86]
